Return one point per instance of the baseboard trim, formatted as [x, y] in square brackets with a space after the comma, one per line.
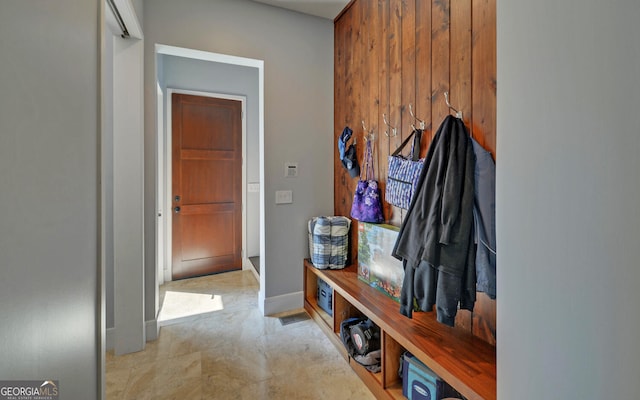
[253, 270]
[151, 330]
[283, 303]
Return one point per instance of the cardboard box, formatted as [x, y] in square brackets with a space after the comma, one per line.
[376, 265]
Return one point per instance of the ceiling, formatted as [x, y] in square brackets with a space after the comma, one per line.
[320, 8]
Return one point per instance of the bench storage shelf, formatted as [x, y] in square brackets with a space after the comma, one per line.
[464, 361]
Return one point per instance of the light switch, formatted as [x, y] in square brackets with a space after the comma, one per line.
[284, 197]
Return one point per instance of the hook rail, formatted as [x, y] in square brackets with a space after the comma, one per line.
[393, 129]
[368, 134]
[446, 99]
[422, 123]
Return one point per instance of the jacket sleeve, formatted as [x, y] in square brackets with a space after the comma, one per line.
[406, 293]
[453, 181]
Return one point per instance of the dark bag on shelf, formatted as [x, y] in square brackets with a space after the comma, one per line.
[367, 205]
[404, 173]
[361, 338]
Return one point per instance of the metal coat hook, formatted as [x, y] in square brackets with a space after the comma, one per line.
[422, 124]
[393, 130]
[368, 133]
[446, 99]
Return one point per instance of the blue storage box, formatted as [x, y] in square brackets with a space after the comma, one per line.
[421, 383]
[325, 296]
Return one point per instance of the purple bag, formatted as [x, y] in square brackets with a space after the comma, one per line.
[367, 204]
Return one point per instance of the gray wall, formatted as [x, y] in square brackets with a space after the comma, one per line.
[122, 182]
[568, 190]
[198, 75]
[128, 210]
[107, 178]
[298, 55]
[49, 121]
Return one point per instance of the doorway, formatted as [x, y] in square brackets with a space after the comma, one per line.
[216, 83]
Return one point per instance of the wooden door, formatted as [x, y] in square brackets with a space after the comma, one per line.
[206, 189]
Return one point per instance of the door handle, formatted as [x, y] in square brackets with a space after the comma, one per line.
[176, 209]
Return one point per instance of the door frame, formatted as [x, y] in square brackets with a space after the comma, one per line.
[167, 237]
[162, 49]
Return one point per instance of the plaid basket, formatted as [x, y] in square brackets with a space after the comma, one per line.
[329, 242]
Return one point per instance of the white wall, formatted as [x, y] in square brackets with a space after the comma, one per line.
[298, 56]
[122, 183]
[568, 195]
[128, 182]
[49, 158]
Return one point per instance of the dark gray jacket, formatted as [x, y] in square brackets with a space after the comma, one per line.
[435, 240]
[484, 213]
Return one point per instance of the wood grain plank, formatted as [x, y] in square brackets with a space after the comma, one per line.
[484, 318]
[440, 65]
[394, 117]
[356, 109]
[408, 89]
[422, 107]
[383, 88]
[460, 80]
[391, 360]
[343, 194]
[460, 86]
[373, 56]
[483, 124]
[339, 116]
[395, 73]
[357, 64]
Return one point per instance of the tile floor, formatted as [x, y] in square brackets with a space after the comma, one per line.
[231, 351]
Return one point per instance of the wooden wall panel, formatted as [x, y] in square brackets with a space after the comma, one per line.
[392, 53]
[384, 11]
[460, 58]
[373, 40]
[408, 22]
[483, 125]
[422, 107]
[393, 132]
[408, 19]
[440, 66]
[460, 84]
[340, 115]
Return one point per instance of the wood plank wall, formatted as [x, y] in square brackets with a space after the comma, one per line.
[390, 54]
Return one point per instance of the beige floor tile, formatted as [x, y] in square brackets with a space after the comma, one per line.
[232, 353]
